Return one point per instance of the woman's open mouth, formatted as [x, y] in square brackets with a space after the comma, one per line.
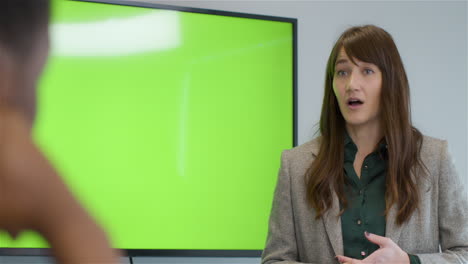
[354, 103]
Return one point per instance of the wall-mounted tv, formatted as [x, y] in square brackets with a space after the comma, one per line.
[168, 122]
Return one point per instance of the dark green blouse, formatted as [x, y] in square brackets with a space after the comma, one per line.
[366, 201]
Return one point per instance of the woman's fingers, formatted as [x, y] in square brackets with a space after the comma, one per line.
[346, 260]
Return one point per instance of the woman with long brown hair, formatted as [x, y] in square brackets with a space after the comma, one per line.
[32, 195]
[371, 188]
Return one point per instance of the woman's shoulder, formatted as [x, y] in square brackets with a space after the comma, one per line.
[430, 141]
[309, 147]
[299, 158]
[302, 154]
[432, 148]
[435, 156]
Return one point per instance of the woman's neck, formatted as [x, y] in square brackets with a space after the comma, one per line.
[366, 137]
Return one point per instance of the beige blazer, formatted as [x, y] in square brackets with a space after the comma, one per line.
[294, 236]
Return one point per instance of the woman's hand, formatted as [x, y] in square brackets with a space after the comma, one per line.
[389, 252]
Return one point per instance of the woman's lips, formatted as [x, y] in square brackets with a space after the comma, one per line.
[355, 106]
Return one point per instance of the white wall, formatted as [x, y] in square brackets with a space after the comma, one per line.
[432, 39]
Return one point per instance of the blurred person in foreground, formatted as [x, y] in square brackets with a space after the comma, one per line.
[32, 194]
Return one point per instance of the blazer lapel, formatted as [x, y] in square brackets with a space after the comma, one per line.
[332, 224]
[392, 230]
[331, 218]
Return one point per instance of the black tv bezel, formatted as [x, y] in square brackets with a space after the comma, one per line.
[184, 252]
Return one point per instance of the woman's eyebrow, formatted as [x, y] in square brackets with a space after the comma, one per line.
[341, 61]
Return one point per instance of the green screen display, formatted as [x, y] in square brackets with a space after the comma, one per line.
[167, 125]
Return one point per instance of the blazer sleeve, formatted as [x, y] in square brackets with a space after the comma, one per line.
[281, 241]
[452, 215]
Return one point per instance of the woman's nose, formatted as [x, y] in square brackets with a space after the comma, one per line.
[353, 82]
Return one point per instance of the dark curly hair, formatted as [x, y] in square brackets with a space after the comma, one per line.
[20, 23]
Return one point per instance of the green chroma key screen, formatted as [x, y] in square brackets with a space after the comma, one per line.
[168, 126]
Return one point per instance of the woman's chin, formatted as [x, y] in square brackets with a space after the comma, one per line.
[356, 122]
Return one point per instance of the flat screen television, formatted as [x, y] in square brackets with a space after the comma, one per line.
[168, 123]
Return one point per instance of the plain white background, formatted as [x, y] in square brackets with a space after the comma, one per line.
[432, 39]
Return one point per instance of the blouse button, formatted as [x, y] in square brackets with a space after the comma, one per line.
[359, 222]
[363, 253]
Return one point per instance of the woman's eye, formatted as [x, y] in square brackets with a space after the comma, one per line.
[341, 73]
[368, 71]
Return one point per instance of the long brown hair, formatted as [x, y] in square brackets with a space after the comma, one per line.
[326, 175]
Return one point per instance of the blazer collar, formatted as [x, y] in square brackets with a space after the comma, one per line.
[315, 146]
[332, 223]
[331, 218]
[392, 230]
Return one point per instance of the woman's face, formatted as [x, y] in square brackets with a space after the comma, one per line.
[357, 89]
